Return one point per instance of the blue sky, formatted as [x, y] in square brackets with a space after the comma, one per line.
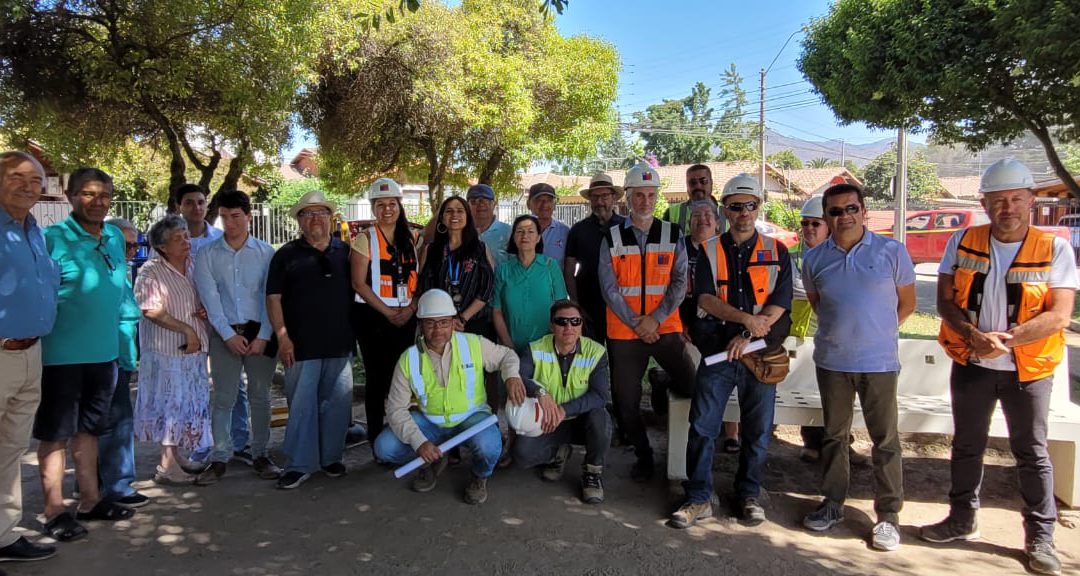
[668, 45]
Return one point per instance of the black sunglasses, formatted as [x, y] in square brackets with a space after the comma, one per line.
[810, 223]
[565, 321]
[840, 211]
[104, 256]
[742, 206]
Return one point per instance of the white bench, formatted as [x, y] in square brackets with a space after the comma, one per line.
[923, 402]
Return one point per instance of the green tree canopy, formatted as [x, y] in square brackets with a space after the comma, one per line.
[922, 176]
[785, 159]
[974, 72]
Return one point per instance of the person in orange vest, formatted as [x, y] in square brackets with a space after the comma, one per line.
[643, 281]
[1005, 294]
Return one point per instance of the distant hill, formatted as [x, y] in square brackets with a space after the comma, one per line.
[807, 150]
[955, 162]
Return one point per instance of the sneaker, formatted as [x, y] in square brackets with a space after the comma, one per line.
[688, 514]
[266, 469]
[23, 550]
[886, 536]
[211, 475]
[1042, 558]
[134, 500]
[752, 513]
[826, 516]
[643, 469]
[335, 470]
[856, 458]
[428, 474]
[244, 456]
[554, 470]
[592, 485]
[356, 435]
[292, 479]
[476, 491]
[195, 467]
[731, 445]
[949, 530]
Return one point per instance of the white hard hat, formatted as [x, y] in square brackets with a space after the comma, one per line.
[640, 176]
[813, 208]
[525, 419]
[742, 184]
[384, 188]
[435, 304]
[1006, 174]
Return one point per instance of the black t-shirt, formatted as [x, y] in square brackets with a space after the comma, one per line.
[583, 244]
[711, 335]
[688, 308]
[316, 296]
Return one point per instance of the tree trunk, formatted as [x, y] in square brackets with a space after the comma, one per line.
[433, 179]
[177, 166]
[232, 179]
[491, 166]
[1055, 160]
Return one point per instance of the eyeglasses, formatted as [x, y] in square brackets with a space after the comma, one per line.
[309, 214]
[810, 223]
[565, 321]
[442, 323]
[741, 206]
[104, 256]
[840, 211]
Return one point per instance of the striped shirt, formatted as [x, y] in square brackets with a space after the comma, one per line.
[158, 286]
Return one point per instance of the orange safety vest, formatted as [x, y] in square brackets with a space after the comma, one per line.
[763, 268]
[391, 272]
[643, 275]
[1027, 289]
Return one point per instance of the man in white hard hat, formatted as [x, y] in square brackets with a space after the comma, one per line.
[862, 287]
[583, 252]
[643, 281]
[743, 286]
[699, 186]
[569, 374]
[444, 374]
[1005, 295]
[308, 297]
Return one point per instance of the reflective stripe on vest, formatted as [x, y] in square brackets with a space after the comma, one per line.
[642, 274]
[1026, 294]
[548, 373]
[763, 268]
[384, 285]
[464, 393]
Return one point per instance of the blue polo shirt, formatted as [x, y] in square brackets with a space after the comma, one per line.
[28, 280]
[858, 329]
[93, 278]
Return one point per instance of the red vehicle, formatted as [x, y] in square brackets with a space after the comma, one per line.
[785, 237]
[928, 231]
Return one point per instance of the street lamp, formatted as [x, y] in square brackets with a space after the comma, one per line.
[761, 135]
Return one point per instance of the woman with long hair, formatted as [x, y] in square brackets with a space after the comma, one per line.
[458, 262]
[526, 286]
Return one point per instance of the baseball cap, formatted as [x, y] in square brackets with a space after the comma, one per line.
[541, 188]
[480, 191]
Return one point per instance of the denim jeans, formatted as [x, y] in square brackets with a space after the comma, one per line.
[757, 404]
[240, 430]
[319, 393]
[593, 429]
[116, 445]
[486, 447]
[226, 369]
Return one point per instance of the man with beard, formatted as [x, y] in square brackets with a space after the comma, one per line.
[699, 186]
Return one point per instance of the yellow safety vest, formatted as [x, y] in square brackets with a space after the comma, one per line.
[464, 393]
[547, 373]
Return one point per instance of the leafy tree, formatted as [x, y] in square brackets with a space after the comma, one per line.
[922, 176]
[781, 214]
[821, 162]
[737, 136]
[677, 131]
[973, 72]
[1071, 157]
[785, 159]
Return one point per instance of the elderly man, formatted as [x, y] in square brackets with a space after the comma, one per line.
[80, 354]
[699, 185]
[580, 268]
[308, 297]
[568, 373]
[1005, 293]
[553, 233]
[857, 353]
[493, 233]
[230, 275]
[743, 285]
[27, 312]
[643, 280]
[444, 374]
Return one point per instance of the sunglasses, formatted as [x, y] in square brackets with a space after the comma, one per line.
[104, 256]
[840, 211]
[810, 223]
[742, 206]
[565, 321]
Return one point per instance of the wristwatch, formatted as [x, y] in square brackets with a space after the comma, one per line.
[540, 393]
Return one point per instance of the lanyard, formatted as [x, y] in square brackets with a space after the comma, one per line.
[453, 270]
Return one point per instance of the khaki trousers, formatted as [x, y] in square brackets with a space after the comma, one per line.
[20, 392]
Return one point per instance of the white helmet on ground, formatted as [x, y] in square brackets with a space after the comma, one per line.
[742, 184]
[435, 304]
[1006, 174]
[813, 208]
[525, 419]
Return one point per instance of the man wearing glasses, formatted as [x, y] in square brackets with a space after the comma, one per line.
[743, 288]
[699, 186]
[80, 354]
[862, 287]
[308, 297]
[583, 252]
[568, 373]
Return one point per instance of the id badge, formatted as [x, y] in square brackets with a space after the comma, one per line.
[402, 295]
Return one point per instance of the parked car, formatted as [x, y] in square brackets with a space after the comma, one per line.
[928, 231]
[786, 237]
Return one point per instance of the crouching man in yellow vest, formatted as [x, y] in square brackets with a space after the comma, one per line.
[1005, 293]
[568, 373]
[444, 375]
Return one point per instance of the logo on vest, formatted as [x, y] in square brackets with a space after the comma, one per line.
[662, 259]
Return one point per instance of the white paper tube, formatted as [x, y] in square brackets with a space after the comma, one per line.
[457, 439]
[719, 357]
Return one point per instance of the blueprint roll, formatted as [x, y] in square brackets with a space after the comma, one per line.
[457, 439]
[717, 358]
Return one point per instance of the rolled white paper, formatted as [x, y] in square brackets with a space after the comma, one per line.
[457, 439]
[753, 346]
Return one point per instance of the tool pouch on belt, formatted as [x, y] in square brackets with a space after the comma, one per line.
[769, 366]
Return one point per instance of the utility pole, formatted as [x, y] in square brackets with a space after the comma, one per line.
[843, 153]
[761, 137]
[900, 185]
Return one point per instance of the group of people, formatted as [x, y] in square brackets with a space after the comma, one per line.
[471, 316]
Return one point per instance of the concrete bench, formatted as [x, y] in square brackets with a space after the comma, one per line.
[923, 402]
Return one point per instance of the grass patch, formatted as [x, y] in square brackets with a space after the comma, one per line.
[921, 326]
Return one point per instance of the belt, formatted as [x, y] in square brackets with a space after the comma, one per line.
[17, 343]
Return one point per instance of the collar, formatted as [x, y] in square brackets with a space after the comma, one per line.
[301, 241]
[74, 226]
[577, 348]
[7, 219]
[249, 242]
[729, 239]
[616, 218]
[867, 238]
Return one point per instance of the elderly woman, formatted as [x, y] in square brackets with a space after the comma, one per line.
[526, 286]
[172, 408]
